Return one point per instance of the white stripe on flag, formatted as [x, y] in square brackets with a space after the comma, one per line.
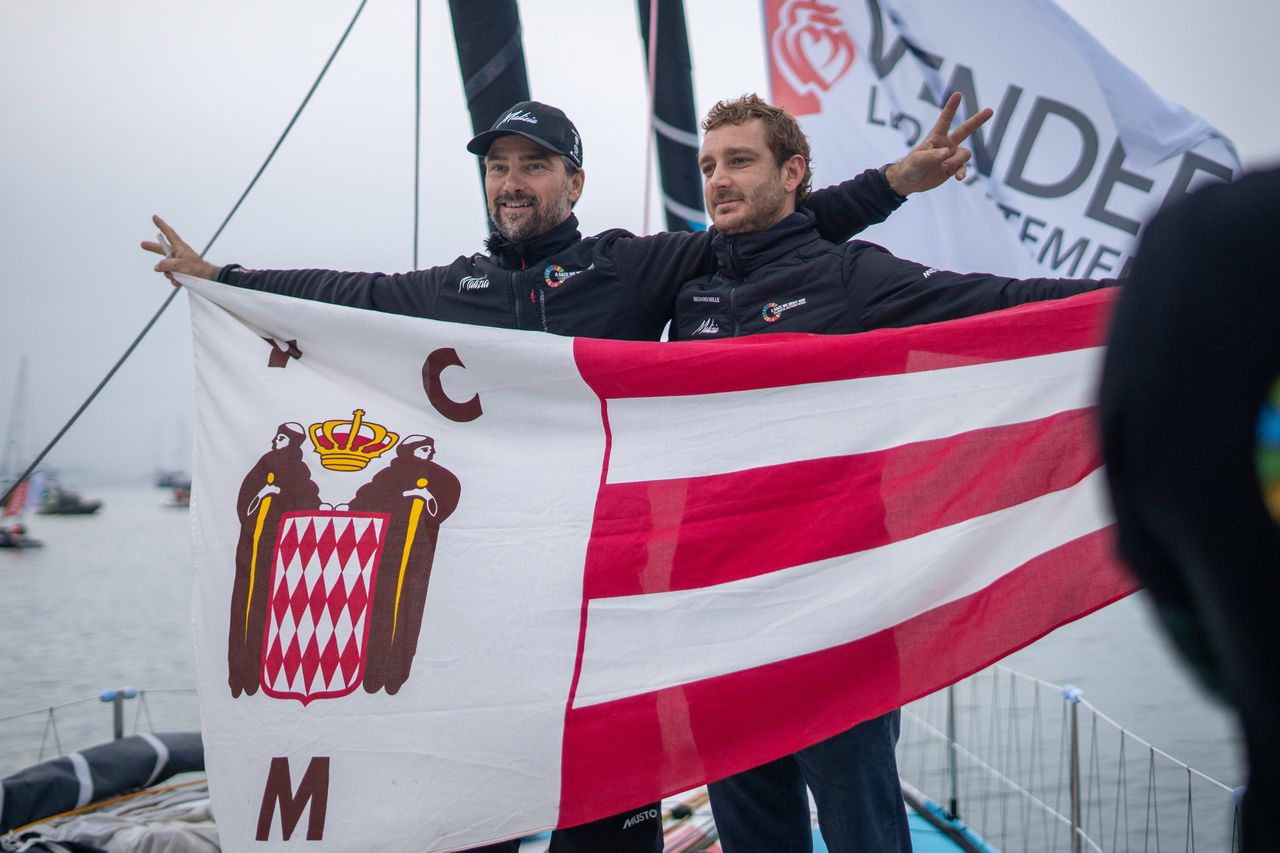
[712, 434]
[695, 634]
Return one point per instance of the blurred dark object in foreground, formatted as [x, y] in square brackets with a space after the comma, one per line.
[1193, 358]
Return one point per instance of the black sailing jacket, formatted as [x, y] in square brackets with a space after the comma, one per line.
[789, 279]
[614, 285]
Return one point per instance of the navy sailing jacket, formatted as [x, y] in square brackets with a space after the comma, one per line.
[789, 279]
[614, 285]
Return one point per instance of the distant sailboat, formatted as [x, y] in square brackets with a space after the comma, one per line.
[13, 531]
[174, 475]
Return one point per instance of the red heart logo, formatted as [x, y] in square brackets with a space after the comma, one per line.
[811, 46]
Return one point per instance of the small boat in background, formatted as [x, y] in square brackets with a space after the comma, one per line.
[181, 496]
[59, 501]
[15, 536]
[169, 478]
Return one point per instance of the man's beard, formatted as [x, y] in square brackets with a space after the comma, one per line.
[540, 220]
[764, 208]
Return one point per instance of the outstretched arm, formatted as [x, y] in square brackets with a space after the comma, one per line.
[939, 155]
[180, 257]
[411, 293]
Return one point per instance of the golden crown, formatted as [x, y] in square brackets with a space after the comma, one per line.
[349, 445]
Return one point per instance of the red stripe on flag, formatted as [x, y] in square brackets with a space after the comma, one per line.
[622, 754]
[690, 533]
[616, 369]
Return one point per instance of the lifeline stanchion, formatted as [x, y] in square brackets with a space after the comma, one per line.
[952, 747]
[116, 697]
[1073, 695]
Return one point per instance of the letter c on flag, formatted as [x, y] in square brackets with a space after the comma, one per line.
[451, 409]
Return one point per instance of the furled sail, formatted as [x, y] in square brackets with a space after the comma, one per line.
[491, 57]
[674, 121]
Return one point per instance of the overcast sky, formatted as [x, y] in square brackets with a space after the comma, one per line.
[112, 111]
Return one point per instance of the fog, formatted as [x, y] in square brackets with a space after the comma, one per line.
[170, 107]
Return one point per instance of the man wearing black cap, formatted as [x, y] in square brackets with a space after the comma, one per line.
[524, 134]
[540, 273]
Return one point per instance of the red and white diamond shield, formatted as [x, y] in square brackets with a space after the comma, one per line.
[322, 577]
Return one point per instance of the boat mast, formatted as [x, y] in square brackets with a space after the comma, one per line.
[11, 461]
[490, 47]
[674, 124]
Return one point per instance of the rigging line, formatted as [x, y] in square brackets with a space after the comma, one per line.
[653, 94]
[417, 122]
[169, 299]
[288, 128]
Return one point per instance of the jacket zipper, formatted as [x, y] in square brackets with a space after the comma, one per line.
[733, 310]
[517, 299]
[733, 291]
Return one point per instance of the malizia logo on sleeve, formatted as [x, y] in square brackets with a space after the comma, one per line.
[771, 312]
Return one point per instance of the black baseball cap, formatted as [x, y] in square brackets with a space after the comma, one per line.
[545, 125]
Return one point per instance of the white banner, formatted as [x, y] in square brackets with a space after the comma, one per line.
[458, 584]
[397, 743]
[1079, 154]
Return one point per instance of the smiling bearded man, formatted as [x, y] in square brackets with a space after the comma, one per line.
[530, 189]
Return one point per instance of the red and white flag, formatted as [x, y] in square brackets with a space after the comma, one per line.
[1079, 154]
[458, 584]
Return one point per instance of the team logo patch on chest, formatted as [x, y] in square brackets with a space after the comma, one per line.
[771, 312]
[556, 275]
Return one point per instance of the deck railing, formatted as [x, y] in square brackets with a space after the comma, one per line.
[1029, 765]
[29, 737]
[1032, 766]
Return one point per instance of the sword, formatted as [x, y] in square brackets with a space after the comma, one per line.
[263, 507]
[415, 512]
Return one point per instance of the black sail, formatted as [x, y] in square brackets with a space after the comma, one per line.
[491, 56]
[675, 124]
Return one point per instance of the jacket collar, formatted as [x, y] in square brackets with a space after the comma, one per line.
[740, 254]
[519, 255]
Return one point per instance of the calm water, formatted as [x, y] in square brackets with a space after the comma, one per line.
[106, 603]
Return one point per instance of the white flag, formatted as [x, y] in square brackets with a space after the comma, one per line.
[459, 584]
[1079, 154]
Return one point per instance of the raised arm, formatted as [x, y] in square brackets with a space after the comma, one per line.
[849, 207]
[413, 293]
